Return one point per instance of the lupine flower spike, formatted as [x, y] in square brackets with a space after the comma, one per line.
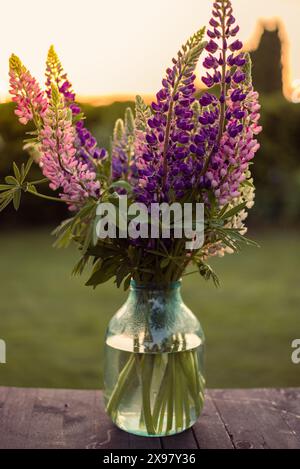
[163, 152]
[232, 119]
[85, 143]
[30, 99]
[66, 150]
[123, 164]
[58, 161]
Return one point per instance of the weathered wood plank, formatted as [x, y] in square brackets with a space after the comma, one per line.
[210, 431]
[15, 416]
[184, 440]
[46, 423]
[140, 442]
[48, 418]
[287, 401]
[252, 420]
[86, 424]
[3, 395]
[118, 439]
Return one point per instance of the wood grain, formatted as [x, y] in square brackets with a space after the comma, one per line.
[231, 418]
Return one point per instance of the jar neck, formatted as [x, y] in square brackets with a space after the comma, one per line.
[155, 287]
[155, 296]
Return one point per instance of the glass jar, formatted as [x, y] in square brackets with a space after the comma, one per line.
[154, 370]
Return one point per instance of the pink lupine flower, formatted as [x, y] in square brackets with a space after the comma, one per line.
[58, 157]
[86, 144]
[26, 93]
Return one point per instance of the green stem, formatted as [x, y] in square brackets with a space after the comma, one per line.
[147, 372]
[39, 181]
[178, 395]
[194, 362]
[200, 379]
[138, 360]
[187, 408]
[170, 403]
[161, 395]
[187, 367]
[117, 394]
[162, 412]
[47, 197]
[185, 395]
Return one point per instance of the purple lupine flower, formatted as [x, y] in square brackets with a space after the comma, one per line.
[238, 146]
[229, 110]
[205, 145]
[223, 30]
[164, 164]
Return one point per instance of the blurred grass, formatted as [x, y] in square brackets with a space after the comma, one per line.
[54, 326]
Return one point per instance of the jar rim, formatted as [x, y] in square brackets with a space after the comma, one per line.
[155, 286]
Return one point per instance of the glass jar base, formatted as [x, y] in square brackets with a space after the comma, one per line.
[147, 435]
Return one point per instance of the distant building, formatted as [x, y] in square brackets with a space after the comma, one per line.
[267, 63]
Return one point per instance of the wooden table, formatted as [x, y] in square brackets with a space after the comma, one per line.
[232, 418]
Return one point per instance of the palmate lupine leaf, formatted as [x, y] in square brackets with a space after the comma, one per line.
[12, 190]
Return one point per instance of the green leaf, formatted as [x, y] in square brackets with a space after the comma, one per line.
[223, 210]
[4, 187]
[122, 272]
[28, 166]
[233, 211]
[247, 183]
[16, 172]
[121, 185]
[22, 172]
[6, 201]
[127, 281]
[17, 199]
[11, 180]
[64, 239]
[88, 237]
[157, 253]
[104, 270]
[62, 226]
[80, 265]
[165, 262]
[103, 250]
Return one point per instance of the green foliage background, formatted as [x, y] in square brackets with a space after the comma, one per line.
[54, 326]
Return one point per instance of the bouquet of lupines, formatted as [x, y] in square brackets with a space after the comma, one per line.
[187, 147]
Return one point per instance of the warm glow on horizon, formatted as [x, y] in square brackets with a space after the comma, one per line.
[122, 48]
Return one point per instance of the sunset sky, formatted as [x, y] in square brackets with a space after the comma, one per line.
[122, 47]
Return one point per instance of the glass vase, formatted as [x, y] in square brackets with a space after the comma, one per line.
[154, 371]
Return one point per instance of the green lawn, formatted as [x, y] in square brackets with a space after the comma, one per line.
[54, 326]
